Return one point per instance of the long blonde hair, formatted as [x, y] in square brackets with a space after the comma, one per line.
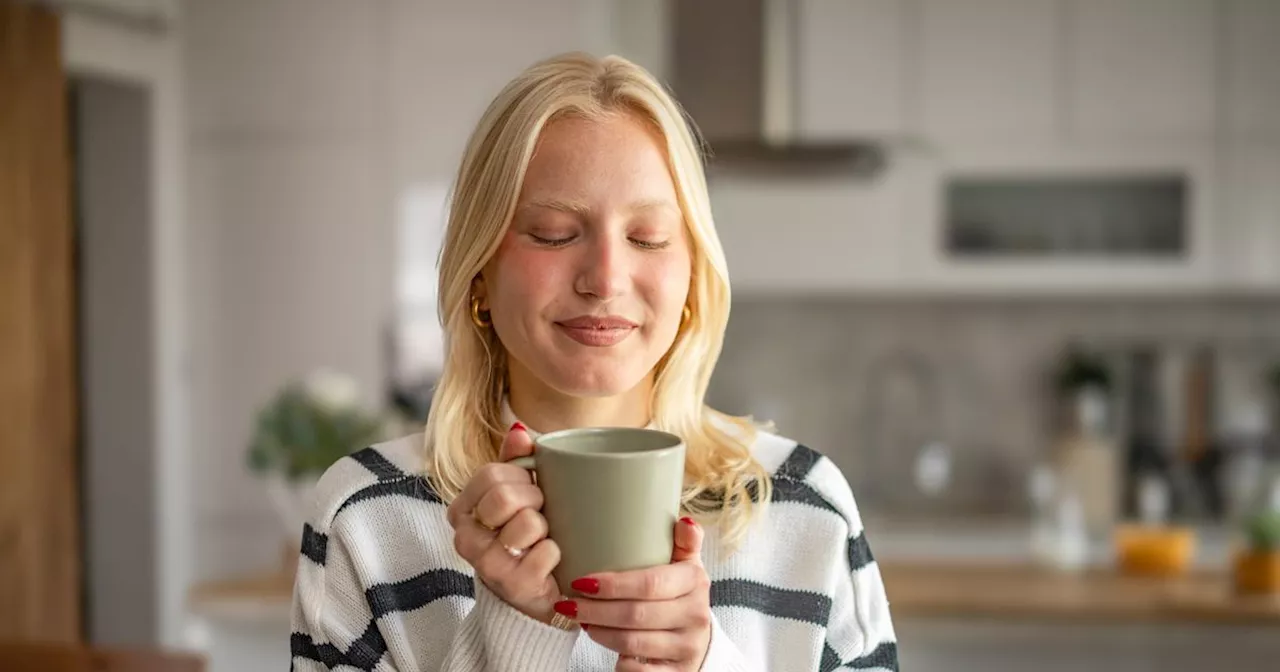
[724, 482]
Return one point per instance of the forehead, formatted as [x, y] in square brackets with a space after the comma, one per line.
[615, 157]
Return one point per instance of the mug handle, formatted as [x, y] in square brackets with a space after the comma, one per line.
[526, 462]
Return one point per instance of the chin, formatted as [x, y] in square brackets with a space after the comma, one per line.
[596, 379]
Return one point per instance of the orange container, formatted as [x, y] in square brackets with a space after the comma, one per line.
[1257, 572]
[1154, 551]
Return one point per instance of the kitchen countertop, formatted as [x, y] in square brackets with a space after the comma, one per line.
[1009, 590]
[1024, 592]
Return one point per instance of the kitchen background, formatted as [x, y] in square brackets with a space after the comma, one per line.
[973, 205]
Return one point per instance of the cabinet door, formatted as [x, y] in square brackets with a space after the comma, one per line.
[1248, 238]
[823, 234]
[988, 68]
[1141, 68]
[850, 71]
[1251, 48]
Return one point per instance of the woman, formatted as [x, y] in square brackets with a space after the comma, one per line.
[582, 284]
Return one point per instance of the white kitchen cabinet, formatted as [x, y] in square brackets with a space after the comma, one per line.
[934, 269]
[1140, 70]
[851, 68]
[1251, 71]
[810, 235]
[1248, 231]
[988, 69]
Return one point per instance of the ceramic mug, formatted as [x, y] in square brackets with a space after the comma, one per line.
[611, 497]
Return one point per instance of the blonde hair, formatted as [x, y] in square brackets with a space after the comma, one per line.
[724, 482]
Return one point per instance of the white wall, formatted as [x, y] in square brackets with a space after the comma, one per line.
[309, 121]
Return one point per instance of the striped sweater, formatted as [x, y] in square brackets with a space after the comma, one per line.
[380, 587]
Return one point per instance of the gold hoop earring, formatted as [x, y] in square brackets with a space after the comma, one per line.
[480, 321]
[686, 315]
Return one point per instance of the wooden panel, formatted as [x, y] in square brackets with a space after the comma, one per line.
[39, 538]
[53, 658]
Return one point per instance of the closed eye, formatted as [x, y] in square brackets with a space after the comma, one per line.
[552, 242]
[649, 244]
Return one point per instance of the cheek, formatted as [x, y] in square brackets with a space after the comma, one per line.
[669, 285]
[523, 274]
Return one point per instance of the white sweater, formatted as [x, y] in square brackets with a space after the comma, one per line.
[380, 586]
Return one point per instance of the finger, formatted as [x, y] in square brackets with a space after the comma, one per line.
[527, 528]
[664, 582]
[520, 577]
[655, 646]
[540, 560]
[517, 443]
[634, 614]
[688, 541]
[633, 664]
[503, 501]
[485, 478]
[471, 542]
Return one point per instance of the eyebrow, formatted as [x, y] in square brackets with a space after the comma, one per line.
[582, 209]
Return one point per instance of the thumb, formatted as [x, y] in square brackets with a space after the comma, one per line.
[688, 541]
[516, 444]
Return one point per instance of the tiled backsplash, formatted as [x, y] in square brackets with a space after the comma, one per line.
[870, 382]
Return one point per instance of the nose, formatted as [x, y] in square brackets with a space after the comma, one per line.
[603, 271]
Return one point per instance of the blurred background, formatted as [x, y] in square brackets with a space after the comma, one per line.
[1014, 265]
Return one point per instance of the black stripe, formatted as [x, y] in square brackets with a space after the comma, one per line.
[859, 552]
[778, 602]
[407, 486]
[830, 659]
[369, 649]
[314, 544]
[364, 653]
[379, 465]
[419, 591]
[789, 490]
[799, 463]
[884, 656]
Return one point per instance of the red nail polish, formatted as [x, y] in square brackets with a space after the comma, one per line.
[584, 626]
[518, 425]
[567, 608]
[586, 585]
[688, 521]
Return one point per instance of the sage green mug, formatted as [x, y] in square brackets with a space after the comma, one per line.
[611, 497]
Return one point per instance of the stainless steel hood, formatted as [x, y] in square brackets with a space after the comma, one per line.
[734, 68]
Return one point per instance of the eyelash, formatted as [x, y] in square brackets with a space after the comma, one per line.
[561, 242]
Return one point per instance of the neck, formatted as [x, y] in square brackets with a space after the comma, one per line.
[543, 409]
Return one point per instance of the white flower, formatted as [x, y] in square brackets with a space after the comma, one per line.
[333, 390]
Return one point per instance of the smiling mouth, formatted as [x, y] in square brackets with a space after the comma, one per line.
[597, 332]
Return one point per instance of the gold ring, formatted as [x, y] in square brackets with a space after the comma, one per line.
[513, 552]
[475, 514]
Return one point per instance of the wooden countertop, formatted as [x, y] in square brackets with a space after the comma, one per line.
[1025, 592]
[943, 589]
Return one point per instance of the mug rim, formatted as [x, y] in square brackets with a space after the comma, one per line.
[676, 443]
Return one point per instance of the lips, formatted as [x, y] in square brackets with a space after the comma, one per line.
[591, 322]
[597, 332]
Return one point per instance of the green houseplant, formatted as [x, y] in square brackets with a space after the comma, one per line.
[1082, 382]
[300, 432]
[1257, 565]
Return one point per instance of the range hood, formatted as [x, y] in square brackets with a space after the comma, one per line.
[735, 68]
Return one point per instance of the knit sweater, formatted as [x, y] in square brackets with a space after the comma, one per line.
[380, 586]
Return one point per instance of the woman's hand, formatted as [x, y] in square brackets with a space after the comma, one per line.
[657, 618]
[498, 530]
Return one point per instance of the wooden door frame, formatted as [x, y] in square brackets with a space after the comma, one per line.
[148, 53]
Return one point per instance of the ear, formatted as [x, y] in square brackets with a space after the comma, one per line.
[479, 291]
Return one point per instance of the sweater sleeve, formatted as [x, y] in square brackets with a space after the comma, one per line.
[859, 633]
[723, 655]
[333, 626]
